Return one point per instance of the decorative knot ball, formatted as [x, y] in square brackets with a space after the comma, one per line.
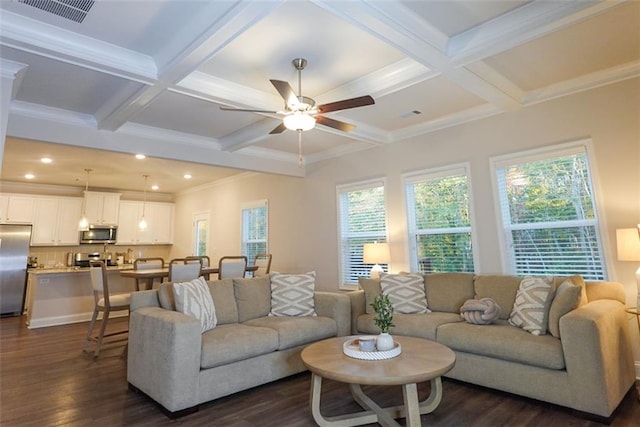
[480, 312]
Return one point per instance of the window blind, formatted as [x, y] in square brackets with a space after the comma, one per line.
[254, 230]
[439, 221]
[549, 215]
[362, 218]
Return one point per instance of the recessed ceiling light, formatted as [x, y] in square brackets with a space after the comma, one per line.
[187, 176]
[29, 176]
[140, 156]
[46, 160]
[154, 187]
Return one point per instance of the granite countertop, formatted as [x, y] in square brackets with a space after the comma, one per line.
[54, 270]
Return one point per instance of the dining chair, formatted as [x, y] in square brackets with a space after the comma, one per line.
[147, 264]
[183, 270]
[106, 303]
[204, 260]
[263, 262]
[232, 266]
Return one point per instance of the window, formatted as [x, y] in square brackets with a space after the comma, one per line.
[362, 219]
[548, 212]
[200, 233]
[254, 229]
[439, 223]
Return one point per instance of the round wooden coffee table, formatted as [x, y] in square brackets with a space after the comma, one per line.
[421, 360]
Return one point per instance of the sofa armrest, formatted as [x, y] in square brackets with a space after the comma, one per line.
[163, 358]
[358, 308]
[336, 306]
[144, 299]
[605, 290]
[596, 342]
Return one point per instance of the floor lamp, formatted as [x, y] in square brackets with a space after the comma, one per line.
[628, 242]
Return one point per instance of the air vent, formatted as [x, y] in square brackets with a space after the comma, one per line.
[410, 114]
[75, 10]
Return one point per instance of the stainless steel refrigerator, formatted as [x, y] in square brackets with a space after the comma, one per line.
[14, 253]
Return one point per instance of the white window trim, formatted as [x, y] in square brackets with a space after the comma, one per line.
[199, 216]
[432, 173]
[251, 205]
[355, 186]
[542, 153]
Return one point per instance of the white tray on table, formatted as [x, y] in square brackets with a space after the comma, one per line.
[351, 348]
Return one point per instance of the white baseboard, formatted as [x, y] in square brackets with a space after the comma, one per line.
[43, 322]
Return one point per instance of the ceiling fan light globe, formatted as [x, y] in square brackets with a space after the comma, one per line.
[299, 121]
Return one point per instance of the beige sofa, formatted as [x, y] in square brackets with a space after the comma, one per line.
[588, 368]
[179, 367]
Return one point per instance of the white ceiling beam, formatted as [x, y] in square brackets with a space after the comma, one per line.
[390, 22]
[522, 25]
[226, 25]
[46, 40]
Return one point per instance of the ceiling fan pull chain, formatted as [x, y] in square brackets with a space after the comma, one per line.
[300, 148]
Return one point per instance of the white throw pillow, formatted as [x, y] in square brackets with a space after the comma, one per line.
[293, 294]
[194, 298]
[531, 308]
[406, 292]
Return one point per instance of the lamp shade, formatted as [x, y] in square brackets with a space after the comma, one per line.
[628, 242]
[375, 253]
[299, 121]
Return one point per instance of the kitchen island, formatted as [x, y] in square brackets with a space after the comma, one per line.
[57, 296]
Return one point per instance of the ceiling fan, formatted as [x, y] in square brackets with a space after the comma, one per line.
[301, 113]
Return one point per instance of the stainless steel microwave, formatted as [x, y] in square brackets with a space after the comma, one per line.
[99, 234]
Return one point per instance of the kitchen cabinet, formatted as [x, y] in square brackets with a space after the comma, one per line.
[56, 221]
[102, 208]
[159, 217]
[16, 209]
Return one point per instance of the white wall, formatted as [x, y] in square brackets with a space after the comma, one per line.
[302, 212]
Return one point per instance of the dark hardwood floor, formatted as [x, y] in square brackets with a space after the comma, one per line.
[46, 380]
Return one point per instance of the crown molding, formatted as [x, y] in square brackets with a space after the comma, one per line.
[173, 137]
[52, 114]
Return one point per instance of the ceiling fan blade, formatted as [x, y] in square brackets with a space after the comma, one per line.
[278, 129]
[336, 124]
[360, 101]
[247, 110]
[286, 92]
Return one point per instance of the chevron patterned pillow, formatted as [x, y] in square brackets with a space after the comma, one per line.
[531, 307]
[292, 294]
[194, 298]
[406, 292]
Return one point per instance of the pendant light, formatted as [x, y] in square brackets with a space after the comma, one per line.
[142, 225]
[83, 225]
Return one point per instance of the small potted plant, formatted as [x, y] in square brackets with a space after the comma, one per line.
[384, 321]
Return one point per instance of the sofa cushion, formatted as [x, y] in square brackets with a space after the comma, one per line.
[531, 308]
[503, 341]
[372, 289]
[224, 300]
[295, 331]
[233, 342]
[501, 288]
[292, 294]
[448, 291]
[406, 292]
[253, 297]
[566, 299]
[414, 325]
[194, 298]
[577, 280]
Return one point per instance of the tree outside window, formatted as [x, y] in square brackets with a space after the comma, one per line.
[439, 221]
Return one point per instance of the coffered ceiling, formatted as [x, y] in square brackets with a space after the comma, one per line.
[151, 76]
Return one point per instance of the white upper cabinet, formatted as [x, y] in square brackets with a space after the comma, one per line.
[159, 217]
[16, 209]
[56, 221]
[102, 208]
